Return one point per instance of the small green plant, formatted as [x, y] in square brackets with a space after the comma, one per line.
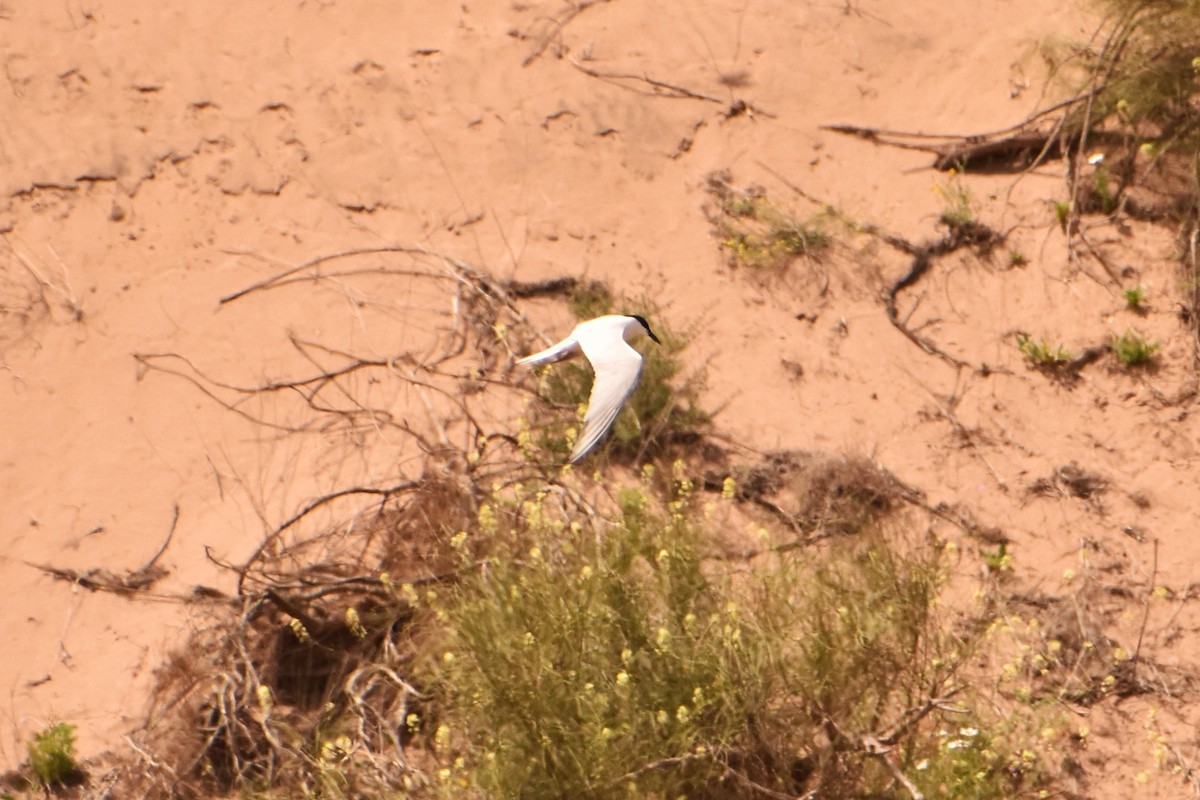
[956, 199]
[52, 754]
[1102, 190]
[1017, 259]
[1132, 349]
[999, 561]
[1041, 353]
[1062, 213]
[759, 234]
[1135, 298]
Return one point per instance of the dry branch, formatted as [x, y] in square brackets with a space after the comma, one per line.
[1015, 148]
[657, 88]
[99, 579]
[385, 493]
[275, 280]
[960, 235]
[555, 25]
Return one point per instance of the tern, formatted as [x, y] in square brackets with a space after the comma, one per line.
[604, 341]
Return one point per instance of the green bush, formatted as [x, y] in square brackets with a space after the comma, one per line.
[52, 754]
[1148, 70]
[594, 657]
[1132, 349]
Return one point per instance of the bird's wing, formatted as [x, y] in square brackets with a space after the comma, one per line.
[564, 349]
[618, 368]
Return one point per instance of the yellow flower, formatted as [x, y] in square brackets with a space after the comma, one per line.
[354, 623]
[298, 628]
[728, 488]
[622, 678]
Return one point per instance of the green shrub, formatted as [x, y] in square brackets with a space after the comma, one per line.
[52, 754]
[1132, 349]
[595, 657]
[1148, 71]
[1041, 353]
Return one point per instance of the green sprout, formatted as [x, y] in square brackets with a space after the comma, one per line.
[1041, 353]
[1132, 349]
[1135, 298]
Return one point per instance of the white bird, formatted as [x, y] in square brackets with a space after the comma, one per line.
[605, 343]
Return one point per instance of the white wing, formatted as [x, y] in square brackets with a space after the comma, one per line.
[564, 349]
[618, 368]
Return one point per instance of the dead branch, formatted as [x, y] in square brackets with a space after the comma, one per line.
[275, 280]
[552, 286]
[385, 493]
[105, 580]
[873, 747]
[657, 88]
[162, 548]
[555, 26]
[653, 766]
[1015, 148]
[960, 234]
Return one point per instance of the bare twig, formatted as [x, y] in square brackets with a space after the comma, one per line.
[1137, 651]
[555, 26]
[277, 279]
[383, 492]
[657, 88]
[873, 747]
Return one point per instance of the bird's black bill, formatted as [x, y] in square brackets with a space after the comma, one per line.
[646, 325]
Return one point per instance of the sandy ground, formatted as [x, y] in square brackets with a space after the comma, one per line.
[155, 158]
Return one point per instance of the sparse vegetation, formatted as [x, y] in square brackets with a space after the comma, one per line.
[1062, 213]
[1041, 353]
[1017, 259]
[52, 754]
[1149, 67]
[758, 233]
[956, 203]
[1132, 349]
[1135, 298]
[1102, 190]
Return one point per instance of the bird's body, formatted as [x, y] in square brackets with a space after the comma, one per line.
[604, 341]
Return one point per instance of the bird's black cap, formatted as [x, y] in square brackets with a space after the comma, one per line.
[645, 325]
